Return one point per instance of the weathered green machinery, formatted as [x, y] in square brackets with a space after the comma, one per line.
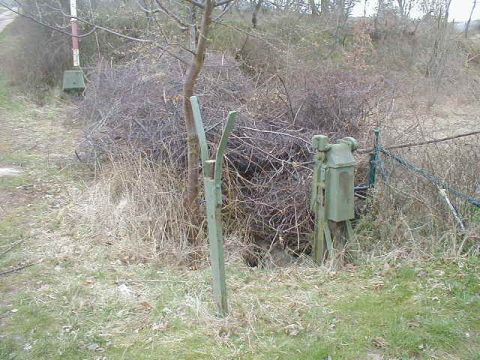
[332, 198]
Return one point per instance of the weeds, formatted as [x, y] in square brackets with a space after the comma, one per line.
[406, 215]
[134, 208]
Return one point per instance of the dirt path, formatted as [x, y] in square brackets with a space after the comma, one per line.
[5, 19]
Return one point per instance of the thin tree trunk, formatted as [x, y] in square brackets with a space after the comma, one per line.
[313, 8]
[257, 8]
[467, 26]
[325, 6]
[401, 7]
[193, 149]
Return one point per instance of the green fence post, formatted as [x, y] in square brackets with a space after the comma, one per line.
[374, 160]
[212, 179]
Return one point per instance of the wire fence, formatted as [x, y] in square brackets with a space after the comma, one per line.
[380, 153]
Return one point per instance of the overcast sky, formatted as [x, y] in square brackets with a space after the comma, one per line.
[459, 9]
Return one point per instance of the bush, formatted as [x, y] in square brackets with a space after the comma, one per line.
[285, 93]
[36, 57]
[267, 173]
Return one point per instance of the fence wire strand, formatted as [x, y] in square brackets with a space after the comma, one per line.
[426, 175]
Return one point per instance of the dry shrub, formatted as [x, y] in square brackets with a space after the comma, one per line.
[409, 218]
[268, 169]
[37, 57]
[134, 207]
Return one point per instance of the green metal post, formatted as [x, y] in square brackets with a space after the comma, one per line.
[322, 239]
[374, 160]
[212, 179]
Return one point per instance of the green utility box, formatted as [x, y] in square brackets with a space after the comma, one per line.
[332, 196]
[340, 180]
[73, 80]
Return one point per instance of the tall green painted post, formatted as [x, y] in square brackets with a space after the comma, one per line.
[212, 180]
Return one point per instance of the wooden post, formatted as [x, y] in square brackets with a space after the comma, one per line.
[212, 180]
[75, 33]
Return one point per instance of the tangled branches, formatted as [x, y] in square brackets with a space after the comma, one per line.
[268, 168]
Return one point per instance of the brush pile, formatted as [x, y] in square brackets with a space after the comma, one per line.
[268, 166]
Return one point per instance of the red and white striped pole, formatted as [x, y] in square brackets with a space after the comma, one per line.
[75, 33]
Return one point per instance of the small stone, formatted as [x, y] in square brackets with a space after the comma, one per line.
[125, 291]
[160, 326]
[293, 329]
[93, 347]
[66, 329]
[379, 342]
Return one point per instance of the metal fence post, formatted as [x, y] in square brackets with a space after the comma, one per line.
[212, 179]
[374, 160]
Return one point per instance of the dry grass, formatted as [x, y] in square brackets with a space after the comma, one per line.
[135, 207]
[406, 215]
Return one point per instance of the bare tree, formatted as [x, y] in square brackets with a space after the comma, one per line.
[313, 8]
[405, 7]
[436, 62]
[342, 11]
[198, 48]
[193, 148]
[325, 6]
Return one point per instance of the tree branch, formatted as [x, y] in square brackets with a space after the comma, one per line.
[93, 30]
[179, 21]
[227, 8]
[47, 25]
[196, 3]
[148, 11]
[224, 2]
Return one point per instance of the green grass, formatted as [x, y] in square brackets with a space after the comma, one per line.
[416, 313]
